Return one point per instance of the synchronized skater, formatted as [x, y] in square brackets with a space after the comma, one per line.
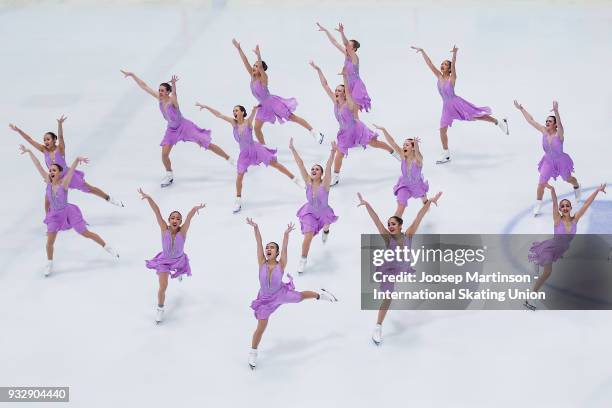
[545, 253]
[172, 261]
[252, 153]
[273, 292]
[62, 215]
[54, 150]
[179, 129]
[555, 162]
[316, 214]
[272, 107]
[394, 238]
[454, 107]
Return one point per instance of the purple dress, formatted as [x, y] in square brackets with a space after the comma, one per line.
[180, 129]
[455, 107]
[410, 184]
[62, 215]
[172, 258]
[252, 153]
[352, 132]
[78, 178]
[395, 267]
[356, 86]
[273, 292]
[272, 107]
[547, 252]
[555, 162]
[316, 213]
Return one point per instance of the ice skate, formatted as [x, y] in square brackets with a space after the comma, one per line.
[302, 264]
[335, 179]
[111, 251]
[231, 161]
[577, 193]
[317, 136]
[444, 157]
[48, 268]
[325, 236]
[159, 314]
[537, 207]
[328, 296]
[298, 181]
[253, 358]
[529, 306]
[168, 179]
[503, 125]
[113, 201]
[237, 205]
[377, 335]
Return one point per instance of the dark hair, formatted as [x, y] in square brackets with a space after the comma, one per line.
[397, 219]
[450, 66]
[555, 119]
[53, 135]
[167, 86]
[356, 44]
[60, 168]
[276, 245]
[264, 65]
[242, 109]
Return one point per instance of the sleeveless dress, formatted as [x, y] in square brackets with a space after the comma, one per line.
[395, 267]
[555, 162]
[316, 213]
[180, 129]
[547, 252]
[172, 258]
[62, 215]
[272, 107]
[410, 184]
[273, 292]
[252, 153]
[456, 108]
[352, 132]
[357, 88]
[78, 178]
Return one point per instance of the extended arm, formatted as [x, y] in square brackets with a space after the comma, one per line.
[379, 225]
[28, 138]
[260, 69]
[195, 210]
[555, 204]
[68, 177]
[37, 164]
[417, 151]
[324, 83]
[173, 95]
[589, 201]
[431, 66]
[328, 166]
[390, 140]
[345, 41]
[243, 57]
[251, 116]
[412, 229]
[260, 253]
[347, 92]
[141, 84]
[60, 134]
[331, 38]
[299, 162]
[216, 113]
[555, 109]
[529, 118]
[160, 221]
[283, 257]
[453, 73]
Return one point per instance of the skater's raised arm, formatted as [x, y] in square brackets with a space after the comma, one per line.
[243, 57]
[28, 138]
[379, 225]
[141, 84]
[345, 41]
[589, 201]
[68, 177]
[331, 38]
[260, 252]
[260, 68]
[417, 151]
[173, 95]
[195, 210]
[431, 66]
[252, 115]
[283, 255]
[528, 117]
[328, 166]
[347, 92]
[412, 229]
[555, 110]
[299, 162]
[215, 112]
[60, 134]
[453, 70]
[37, 164]
[555, 204]
[324, 83]
[160, 221]
[390, 140]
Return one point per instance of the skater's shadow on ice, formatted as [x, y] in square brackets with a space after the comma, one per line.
[207, 179]
[291, 352]
[87, 267]
[406, 324]
[465, 162]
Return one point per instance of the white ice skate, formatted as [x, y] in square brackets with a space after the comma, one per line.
[503, 125]
[159, 315]
[577, 193]
[536, 270]
[253, 358]
[396, 155]
[325, 236]
[231, 161]
[298, 181]
[326, 295]
[302, 264]
[48, 268]
[237, 205]
[537, 207]
[377, 335]
[113, 201]
[335, 179]
[444, 157]
[529, 306]
[168, 179]
[111, 251]
[317, 136]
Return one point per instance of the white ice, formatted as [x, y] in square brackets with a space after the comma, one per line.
[90, 325]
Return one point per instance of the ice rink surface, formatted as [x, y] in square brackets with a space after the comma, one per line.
[90, 325]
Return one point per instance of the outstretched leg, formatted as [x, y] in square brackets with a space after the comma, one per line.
[97, 192]
[400, 210]
[259, 132]
[306, 243]
[338, 161]
[487, 118]
[540, 191]
[380, 145]
[50, 244]
[309, 294]
[281, 168]
[300, 121]
[166, 157]
[218, 151]
[163, 285]
[259, 331]
[573, 181]
[542, 278]
[239, 179]
[93, 236]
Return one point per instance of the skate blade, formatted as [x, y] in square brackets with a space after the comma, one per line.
[529, 306]
[168, 184]
[236, 211]
[442, 161]
[376, 343]
[330, 294]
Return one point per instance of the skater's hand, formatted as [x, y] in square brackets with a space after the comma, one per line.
[381, 128]
[61, 119]
[340, 28]
[199, 105]
[602, 188]
[455, 49]
[334, 146]
[321, 28]
[236, 43]
[82, 160]
[198, 207]
[257, 52]
[251, 222]
[13, 127]
[127, 74]
[555, 106]
[143, 195]
[417, 140]
[315, 66]
[518, 105]
[417, 49]
[24, 149]
[361, 200]
[173, 81]
[290, 227]
[291, 144]
[436, 198]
